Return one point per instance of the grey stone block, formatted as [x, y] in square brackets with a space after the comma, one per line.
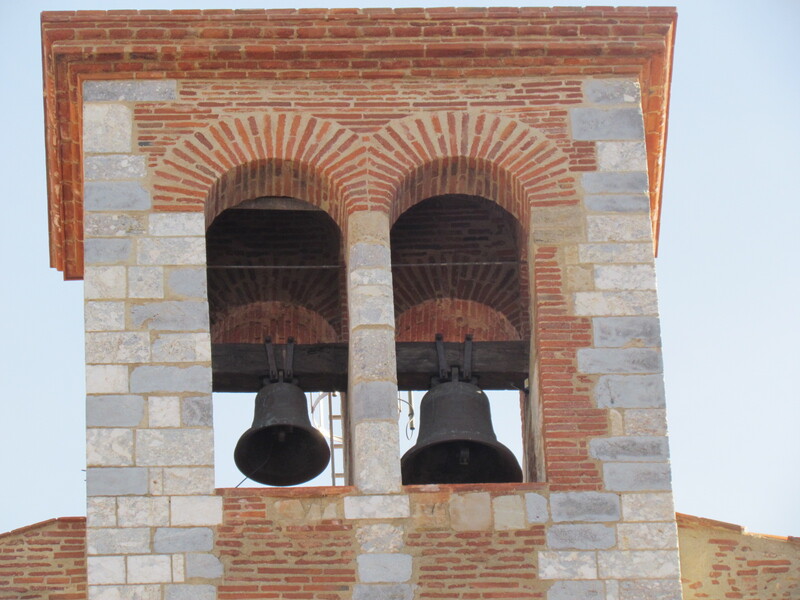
[176, 315]
[614, 183]
[536, 508]
[377, 591]
[206, 566]
[630, 448]
[652, 589]
[616, 253]
[384, 568]
[618, 203]
[130, 91]
[616, 303]
[104, 316]
[375, 468]
[113, 224]
[99, 251]
[185, 591]
[178, 224]
[625, 227]
[581, 537]
[372, 355]
[577, 590]
[114, 411]
[630, 564]
[174, 447]
[121, 481]
[584, 506]
[636, 477]
[183, 539]
[189, 282]
[107, 128]
[171, 251]
[197, 411]
[363, 255]
[115, 196]
[621, 156]
[567, 564]
[114, 166]
[611, 91]
[379, 538]
[606, 124]
[630, 391]
[103, 347]
[377, 507]
[617, 332]
[624, 277]
[130, 540]
[125, 592]
[371, 305]
[373, 400]
[619, 360]
[150, 378]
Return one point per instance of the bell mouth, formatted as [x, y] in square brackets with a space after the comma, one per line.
[460, 461]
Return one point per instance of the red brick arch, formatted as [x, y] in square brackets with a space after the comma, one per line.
[276, 154]
[481, 154]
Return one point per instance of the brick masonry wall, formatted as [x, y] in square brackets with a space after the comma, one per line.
[45, 561]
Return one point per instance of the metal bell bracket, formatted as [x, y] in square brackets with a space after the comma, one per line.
[454, 373]
[278, 375]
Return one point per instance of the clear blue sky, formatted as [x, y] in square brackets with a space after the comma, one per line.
[728, 271]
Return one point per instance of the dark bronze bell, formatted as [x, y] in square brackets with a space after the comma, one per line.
[456, 442]
[282, 447]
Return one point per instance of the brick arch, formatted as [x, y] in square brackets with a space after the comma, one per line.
[251, 323]
[486, 155]
[240, 158]
[454, 318]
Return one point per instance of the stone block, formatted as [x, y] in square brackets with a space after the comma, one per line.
[116, 481]
[625, 277]
[471, 511]
[619, 360]
[384, 568]
[183, 315]
[618, 228]
[377, 507]
[113, 224]
[567, 565]
[612, 182]
[368, 227]
[114, 411]
[130, 540]
[116, 196]
[652, 589]
[146, 282]
[371, 305]
[196, 510]
[630, 448]
[178, 224]
[188, 282]
[372, 355]
[380, 538]
[101, 512]
[143, 511]
[179, 568]
[104, 570]
[188, 480]
[152, 568]
[164, 411]
[182, 347]
[377, 591]
[103, 283]
[616, 253]
[171, 251]
[151, 378]
[580, 536]
[114, 166]
[104, 316]
[536, 508]
[623, 203]
[648, 507]
[630, 391]
[620, 332]
[185, 591]
[648, 536]
[627, 303]
[625, 564]
[375, 466]
[106, 379]
[117, 347]
[125, 592]
[378, 276]
[178, 447]
[611, 91]
[606, 124]
[140, 90]
[107, 128]
[577, 590]
[197, 411]
[109, 447]
[622, 156]
[636, 477]
[584, 506]
[111, 251]
[508, 512]
[169, 540]
[204, 566]
[370, 400]
[646, 421]
[369, 256]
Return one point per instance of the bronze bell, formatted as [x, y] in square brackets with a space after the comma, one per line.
[456, 442]
[282, 447]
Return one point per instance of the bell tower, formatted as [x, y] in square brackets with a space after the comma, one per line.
[352, 184]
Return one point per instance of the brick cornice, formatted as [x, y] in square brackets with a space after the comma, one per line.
[408, 43]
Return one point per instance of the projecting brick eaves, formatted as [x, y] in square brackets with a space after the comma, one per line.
[407, 43]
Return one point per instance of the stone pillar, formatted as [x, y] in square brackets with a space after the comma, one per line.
[150, 460]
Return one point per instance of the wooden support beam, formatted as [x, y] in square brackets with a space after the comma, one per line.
[323, 367]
